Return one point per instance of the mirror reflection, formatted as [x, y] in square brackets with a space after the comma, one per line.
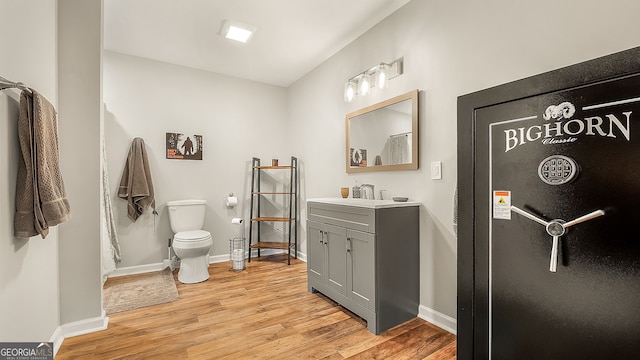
[384, 136]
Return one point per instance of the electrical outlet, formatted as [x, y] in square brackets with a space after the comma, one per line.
[436, 170]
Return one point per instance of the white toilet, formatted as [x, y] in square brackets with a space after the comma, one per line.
[190, 243]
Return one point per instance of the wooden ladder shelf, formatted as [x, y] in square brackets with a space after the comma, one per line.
[290, 196]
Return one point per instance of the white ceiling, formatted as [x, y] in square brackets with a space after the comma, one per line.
[292, 37]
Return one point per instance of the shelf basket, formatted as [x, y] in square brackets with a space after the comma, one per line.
[236, 253]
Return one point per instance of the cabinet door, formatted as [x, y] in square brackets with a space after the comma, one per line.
[316, 252]
[361, 258]
[336, 243]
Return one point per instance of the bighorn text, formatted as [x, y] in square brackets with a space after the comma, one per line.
[564, 132]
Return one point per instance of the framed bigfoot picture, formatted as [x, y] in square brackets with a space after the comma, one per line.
[185, 147]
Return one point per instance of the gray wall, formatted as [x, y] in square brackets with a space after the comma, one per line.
[80, 109]
[29, 296]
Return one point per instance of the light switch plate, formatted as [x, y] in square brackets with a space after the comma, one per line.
[436, 170]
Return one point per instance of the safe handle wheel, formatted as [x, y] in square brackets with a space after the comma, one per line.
[557, 228]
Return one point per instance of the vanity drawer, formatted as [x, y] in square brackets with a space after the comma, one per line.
[352, 217]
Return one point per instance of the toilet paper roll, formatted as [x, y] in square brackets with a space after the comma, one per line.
[238, 255]
[231, 201]
[236, 221]
[238, 265]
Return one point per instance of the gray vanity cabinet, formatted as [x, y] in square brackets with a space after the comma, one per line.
[366, 259]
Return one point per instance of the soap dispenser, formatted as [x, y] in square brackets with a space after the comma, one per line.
[355, 192]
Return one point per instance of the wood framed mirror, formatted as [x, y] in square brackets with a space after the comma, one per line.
[384, 136]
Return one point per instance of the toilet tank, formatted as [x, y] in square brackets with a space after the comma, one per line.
[185, 215]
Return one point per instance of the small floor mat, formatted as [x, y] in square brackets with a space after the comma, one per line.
[136, 291]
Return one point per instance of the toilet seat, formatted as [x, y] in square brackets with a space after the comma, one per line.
[192, 235]
[192, 239]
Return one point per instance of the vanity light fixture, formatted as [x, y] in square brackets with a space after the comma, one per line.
[377, 76]
[237, 31]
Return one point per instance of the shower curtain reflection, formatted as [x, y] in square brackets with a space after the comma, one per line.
[400, 148]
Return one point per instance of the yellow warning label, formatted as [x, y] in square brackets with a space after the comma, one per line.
[502, 204]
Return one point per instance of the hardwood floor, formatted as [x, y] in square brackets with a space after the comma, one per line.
[263, 312]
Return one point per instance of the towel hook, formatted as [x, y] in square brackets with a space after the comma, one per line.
[6, 84]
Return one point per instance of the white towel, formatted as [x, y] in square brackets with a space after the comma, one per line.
[110, 244]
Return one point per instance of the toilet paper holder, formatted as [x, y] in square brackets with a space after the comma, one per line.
[231, 201]
[237, 248]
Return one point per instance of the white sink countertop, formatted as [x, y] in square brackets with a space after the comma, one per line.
[365, 203]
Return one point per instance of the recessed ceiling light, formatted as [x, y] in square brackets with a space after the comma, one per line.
[237, 31]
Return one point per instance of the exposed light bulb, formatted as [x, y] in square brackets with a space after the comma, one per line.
[364, 84]
[382, 76]
[349, 91]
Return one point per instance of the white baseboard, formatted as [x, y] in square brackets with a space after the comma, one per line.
[57, 340]
[140, 269]
[302, 256]
[77, 328]
[265, 252]
[85, 326]
[438, 319]
[218, 258]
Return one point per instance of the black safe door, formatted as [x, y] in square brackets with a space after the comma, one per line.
[561, 167]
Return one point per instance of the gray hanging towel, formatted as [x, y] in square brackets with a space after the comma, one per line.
[136, 185]
[41, 200]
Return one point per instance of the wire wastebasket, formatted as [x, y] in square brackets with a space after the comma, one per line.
[236, 253]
